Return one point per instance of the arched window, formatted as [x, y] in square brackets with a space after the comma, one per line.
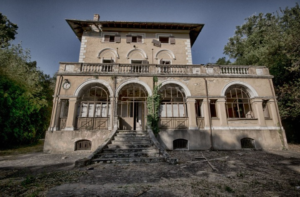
[94, 107]
[173, 102]
[83, 145]
[238, 103]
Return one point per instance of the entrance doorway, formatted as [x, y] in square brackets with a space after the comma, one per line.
[132, 107]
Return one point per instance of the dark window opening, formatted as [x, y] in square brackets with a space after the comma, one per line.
[165, 62]
[213, 111]
[83, 145]
[198, 105]
[266, 109]
[111, 38]
[247, 143]
[134, 39]
[164, 39]
[136, 61]
[108, 61]
[180, 144]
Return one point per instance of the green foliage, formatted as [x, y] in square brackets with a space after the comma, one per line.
[222, 61]
[8, 30]
[153, 105]
[273, 40]
[25, 98]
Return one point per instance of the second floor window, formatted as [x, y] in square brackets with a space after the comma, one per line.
[112, 38]
[164, 39]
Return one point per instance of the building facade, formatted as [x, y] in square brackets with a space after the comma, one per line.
[202, 106]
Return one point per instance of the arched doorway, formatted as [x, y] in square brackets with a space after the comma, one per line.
[93, 109]
[132, 107]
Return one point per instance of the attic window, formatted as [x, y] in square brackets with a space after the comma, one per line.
[111, 38]
[164, 39]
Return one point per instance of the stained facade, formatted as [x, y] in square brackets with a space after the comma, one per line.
[202, 106]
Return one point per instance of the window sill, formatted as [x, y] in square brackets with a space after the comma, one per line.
[215, 118]
[268, 118]
[233, 119]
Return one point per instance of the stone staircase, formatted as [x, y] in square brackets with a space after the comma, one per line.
[129, 147]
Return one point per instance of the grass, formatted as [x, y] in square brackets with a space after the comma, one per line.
[37, 147]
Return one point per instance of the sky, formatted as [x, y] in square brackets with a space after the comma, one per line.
[44, 31]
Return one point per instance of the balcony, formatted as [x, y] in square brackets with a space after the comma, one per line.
[158, 69]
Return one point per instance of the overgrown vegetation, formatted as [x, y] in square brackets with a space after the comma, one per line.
[273, 40]
[25, 94]
[153, 104]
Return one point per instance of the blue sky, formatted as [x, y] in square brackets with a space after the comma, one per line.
[43, 29]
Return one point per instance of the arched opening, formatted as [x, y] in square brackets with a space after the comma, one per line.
[173, 112]
[132, 107]
[238, 102]
[247, 143]
[180, 144]
[93, 110]
[83, 145]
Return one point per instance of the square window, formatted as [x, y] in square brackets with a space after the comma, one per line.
[164, 39]
[134, 39]
[111, 38]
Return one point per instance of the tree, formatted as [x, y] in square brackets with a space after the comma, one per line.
[222, 61]
[273, 40]
[8, 30]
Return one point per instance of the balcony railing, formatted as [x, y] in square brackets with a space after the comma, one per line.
[153, 69]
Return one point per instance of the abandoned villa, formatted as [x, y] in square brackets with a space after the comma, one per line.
[224, 107]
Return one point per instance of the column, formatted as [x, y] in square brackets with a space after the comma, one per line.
[112, 113]
[222, 111]
[56, 116]
[192, 113]
[71, 114]
[258, 111]
[205, 104]
[273, 112]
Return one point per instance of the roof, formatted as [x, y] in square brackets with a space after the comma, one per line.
[79, 26]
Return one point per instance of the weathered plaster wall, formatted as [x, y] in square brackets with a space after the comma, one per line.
[64, 141]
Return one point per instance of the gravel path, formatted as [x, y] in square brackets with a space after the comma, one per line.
[237, 173]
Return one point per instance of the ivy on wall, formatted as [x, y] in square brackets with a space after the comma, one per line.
[153, 105]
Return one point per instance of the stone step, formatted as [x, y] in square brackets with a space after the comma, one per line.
[138, 141]
[131, 132]
[131, 138]
[127, 146]
[130, 143]
[128, 155]
[130, 150]
[129, 160]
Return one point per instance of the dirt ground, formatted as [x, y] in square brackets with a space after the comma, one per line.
[228, 173]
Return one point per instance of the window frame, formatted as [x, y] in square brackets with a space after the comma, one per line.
[114, 34]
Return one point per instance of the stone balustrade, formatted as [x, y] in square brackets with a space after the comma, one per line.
[158, 69]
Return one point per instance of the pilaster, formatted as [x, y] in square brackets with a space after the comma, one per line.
[258, 111]
[222, 111]
[192, 113]
[71, 114]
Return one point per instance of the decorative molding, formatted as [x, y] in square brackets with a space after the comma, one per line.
[165, 50]
[114, 51]
[134, 81]
[111, 93]
[139, 50]
[251, 91]
[185, 88]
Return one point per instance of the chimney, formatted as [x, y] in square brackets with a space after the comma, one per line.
[96, 17]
